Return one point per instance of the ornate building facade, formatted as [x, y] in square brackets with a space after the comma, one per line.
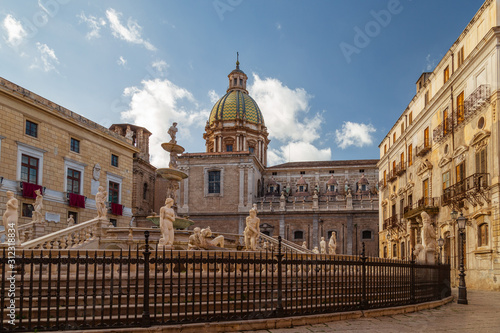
[301, 201]
[66, 156]
[442, 155]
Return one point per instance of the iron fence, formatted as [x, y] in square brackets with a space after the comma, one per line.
[64, 289]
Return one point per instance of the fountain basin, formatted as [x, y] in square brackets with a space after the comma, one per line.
[171, 174]
[172, 148]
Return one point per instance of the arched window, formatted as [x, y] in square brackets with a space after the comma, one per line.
[298, 234]
[145, 191]
[482, 234]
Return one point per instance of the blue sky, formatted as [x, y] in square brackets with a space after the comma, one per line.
[326, 90]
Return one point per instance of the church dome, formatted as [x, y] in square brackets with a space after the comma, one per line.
[236, 104]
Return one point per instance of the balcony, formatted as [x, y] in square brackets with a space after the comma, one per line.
[462, 113]
[392, 175]
[428, 205]
[393, 222]
[424, 148]
[473, 189]
[400, 168]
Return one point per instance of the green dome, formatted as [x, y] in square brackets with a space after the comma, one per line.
[236, 105]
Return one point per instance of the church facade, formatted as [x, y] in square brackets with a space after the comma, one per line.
[299, 201]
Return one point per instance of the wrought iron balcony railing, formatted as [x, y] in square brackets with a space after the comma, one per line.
[472, 188]
[391, 222]
[424, 148]
[392, 175]
[400, 168]
[430, 205]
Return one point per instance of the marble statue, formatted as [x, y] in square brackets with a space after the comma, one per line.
[38, 206]
[428, 239]
[304, 245]
[315, 250]
[172, 131]
[96, 172]
[100, 203]
[332, 244]
[322, 245]
[206, 234]
[71, 221]
[194, 240]
[167, 218]
[128, 133]
[252, 230]
[419, 253]
[10, 216]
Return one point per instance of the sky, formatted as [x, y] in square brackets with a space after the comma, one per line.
[330, 77]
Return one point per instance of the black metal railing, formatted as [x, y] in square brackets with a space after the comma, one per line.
[468, 188]
[67, 290]
[424, 148]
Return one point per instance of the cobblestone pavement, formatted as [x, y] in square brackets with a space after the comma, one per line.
[482, 314]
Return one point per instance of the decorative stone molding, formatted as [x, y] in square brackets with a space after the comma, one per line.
[423, 167]
[479, 139]
[459, 153]
[444, 160]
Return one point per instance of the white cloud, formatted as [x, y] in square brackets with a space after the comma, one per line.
[94, 23]
[278, 26]
[15, 31]
[160, 65]
[121, 61]
[296, 152]
[130, 33]
[158, 103]
[430, 63]
[285, 110]
[354, 134]
[47, 60]
[214, 97]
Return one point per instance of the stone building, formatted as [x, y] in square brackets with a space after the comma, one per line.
[301, 201]
[442, 155]
[45, 146]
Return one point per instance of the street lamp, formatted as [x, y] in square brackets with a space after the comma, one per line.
[462, 289]
[454, 215]
[440, 244]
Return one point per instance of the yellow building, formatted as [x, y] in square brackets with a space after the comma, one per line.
[442, 155]
[45, 146]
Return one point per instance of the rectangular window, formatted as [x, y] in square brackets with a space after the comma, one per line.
[114, 192]
[402, 128]
[29, 169]
[75, 145]
[385, 149]
[460, 172]
[402, 159]
[214, 182]
[393, 137]
[385, 177]
[426, 138]
[481, 161]
[73, 181]
[229, 147]
[251, 150]
[410, 155]
[114, 160]
[361, 170]
[331, 171]
[460, 56]
[302, 172]
[446, 180]
[74, 215]
[425, 188]
[482, 235]
[31, 128]
[27, 210]
[410, 118]
[446, 74]
[460, 108]
[275, 173]
[113, 222]
[426, 98]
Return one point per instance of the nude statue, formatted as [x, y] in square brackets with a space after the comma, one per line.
[322, 245]
[10, 215]
[428, 233]
[100, 203]
[194, 240]
[71, 221]
[167, 218]
[315, 250]
[304, 245]
[332, 244]
[38, 206]
[208, 243]
[172, 131]
[252, 230]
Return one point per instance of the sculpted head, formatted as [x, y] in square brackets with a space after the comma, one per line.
[10, 194]
[253, 212]
[169, 202]
[197, 230]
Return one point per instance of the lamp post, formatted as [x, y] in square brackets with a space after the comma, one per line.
[462, 289]
[440, 244]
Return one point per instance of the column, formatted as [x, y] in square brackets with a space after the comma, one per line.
[282, 226]
[237, 148]
[349, 234]
[215, 144]
[250, 187]
[186, 189]
[245, 143]
[242, 186]
[315, 231]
